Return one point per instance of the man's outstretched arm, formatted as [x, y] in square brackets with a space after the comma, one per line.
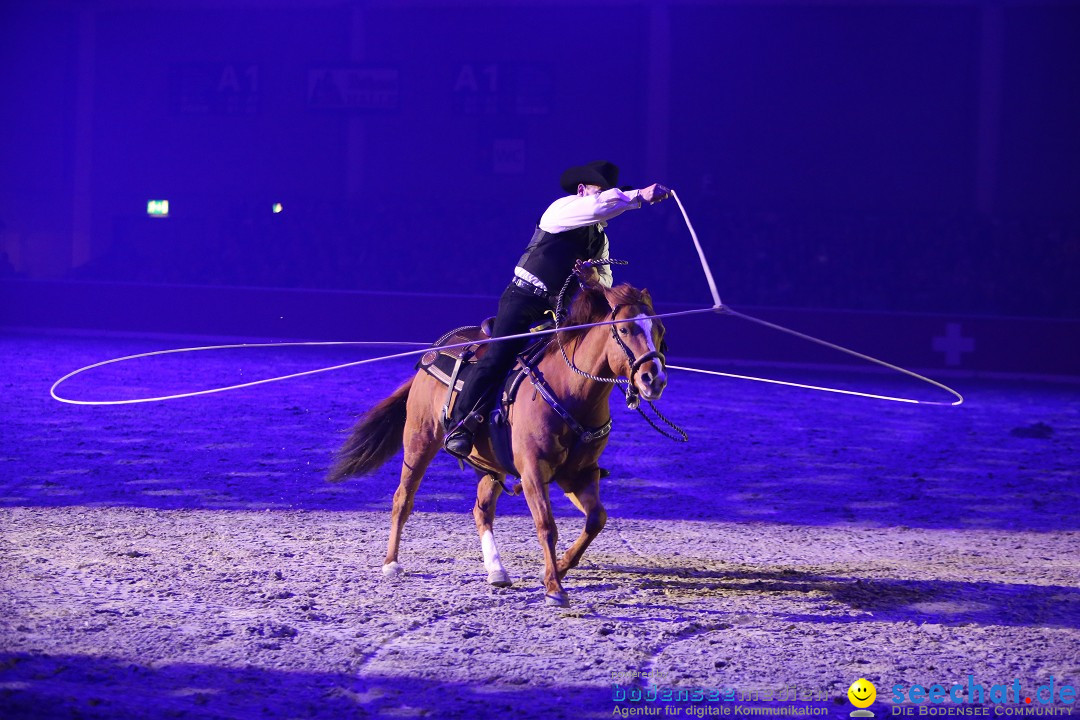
[576, 211]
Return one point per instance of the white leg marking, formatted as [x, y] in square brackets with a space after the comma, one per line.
[492, 562]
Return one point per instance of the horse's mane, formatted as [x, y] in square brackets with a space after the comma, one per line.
[594, 304]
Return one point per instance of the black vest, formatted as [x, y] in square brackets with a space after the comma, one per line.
[550, 256]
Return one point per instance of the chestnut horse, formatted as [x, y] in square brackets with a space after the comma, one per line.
[546, 447]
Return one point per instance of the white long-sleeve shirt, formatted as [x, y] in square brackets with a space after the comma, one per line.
[575, 211]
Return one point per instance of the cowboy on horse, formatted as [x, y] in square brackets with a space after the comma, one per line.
[555, 435]
[569, 233]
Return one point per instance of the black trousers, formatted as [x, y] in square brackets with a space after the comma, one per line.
[519, 310]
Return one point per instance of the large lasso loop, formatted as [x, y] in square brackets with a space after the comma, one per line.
[717, 308]
[424, 347]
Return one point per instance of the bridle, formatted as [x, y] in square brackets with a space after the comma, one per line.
[633, 396]
[627, 385]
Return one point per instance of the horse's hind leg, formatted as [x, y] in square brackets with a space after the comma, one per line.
[421, 445]
[587, 500]
[487, 494]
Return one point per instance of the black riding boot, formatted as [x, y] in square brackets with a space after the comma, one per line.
[518, 311]
[459, 441]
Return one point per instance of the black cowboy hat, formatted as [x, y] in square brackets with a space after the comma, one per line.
[601, 172]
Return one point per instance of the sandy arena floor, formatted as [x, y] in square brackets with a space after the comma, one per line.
[185, 559]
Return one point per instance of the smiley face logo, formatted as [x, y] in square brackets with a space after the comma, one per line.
[862, 693]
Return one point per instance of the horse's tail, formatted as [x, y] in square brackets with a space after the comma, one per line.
[374, 439]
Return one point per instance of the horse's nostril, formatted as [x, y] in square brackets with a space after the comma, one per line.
[647, 377]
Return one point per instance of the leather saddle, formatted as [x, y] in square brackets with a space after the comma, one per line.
[451, 365]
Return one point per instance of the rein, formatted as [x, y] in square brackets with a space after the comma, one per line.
[633, 397]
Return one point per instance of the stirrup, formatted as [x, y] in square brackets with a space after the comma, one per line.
[471, 423]
[467, 428]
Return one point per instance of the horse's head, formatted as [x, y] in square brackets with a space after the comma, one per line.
[634, 348]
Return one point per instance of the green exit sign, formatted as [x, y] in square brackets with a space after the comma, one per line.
[157, 208]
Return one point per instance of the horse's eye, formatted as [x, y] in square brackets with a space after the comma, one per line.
[624, 331]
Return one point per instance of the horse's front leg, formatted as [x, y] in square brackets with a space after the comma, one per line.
[421, 444]
[587, 500]
[487, 494]
[535, 486]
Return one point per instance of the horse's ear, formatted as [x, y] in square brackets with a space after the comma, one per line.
[646, 297]
[607, 296]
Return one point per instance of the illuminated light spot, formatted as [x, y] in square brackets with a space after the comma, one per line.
[277, 207]
[157, 208]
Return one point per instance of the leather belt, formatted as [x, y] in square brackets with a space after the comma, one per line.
[529, 287]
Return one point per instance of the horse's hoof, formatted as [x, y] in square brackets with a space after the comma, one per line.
[500, 578]
[559, 599]
[392, 569]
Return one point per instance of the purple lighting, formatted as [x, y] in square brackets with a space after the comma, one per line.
[207, 196]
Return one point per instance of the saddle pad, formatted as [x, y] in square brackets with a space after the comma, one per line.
[439, 363]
